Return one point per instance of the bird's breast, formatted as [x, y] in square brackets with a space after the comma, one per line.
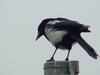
[55, 36]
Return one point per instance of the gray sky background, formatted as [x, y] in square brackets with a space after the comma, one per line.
[19, 19]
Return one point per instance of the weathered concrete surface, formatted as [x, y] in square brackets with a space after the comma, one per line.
[61, 68]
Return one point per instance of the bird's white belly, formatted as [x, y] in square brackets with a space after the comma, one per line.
[54, 36]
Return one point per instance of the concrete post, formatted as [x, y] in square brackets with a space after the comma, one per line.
[61, 68]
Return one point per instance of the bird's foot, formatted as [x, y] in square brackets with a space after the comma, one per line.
[66, 59]
[52, 59]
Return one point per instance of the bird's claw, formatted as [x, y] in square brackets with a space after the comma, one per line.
[66, 59]
[52, 59]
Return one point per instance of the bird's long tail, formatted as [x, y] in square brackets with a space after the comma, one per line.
[87, 47]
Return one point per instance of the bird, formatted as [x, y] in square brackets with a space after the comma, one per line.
[63, 33]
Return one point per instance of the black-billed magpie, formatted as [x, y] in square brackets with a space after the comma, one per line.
[63, 33]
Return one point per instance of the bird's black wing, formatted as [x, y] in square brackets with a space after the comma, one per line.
[64, 25]
[85, 46]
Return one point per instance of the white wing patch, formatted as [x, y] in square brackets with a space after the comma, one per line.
[54, 22]
[54, 36]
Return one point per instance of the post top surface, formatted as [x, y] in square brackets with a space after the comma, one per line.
[63, 62]
[59, 64]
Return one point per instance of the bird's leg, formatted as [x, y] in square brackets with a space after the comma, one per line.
[67, 59]
[52, 58]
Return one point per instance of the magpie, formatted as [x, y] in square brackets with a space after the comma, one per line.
[63, 33]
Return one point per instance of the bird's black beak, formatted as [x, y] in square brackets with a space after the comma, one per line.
[38, 36]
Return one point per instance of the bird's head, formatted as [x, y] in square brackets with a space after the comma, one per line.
[41, 27]
[40, 30]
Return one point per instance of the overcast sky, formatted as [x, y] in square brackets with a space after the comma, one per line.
[20, 54]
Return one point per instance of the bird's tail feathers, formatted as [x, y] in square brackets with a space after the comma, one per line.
[87, 47]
